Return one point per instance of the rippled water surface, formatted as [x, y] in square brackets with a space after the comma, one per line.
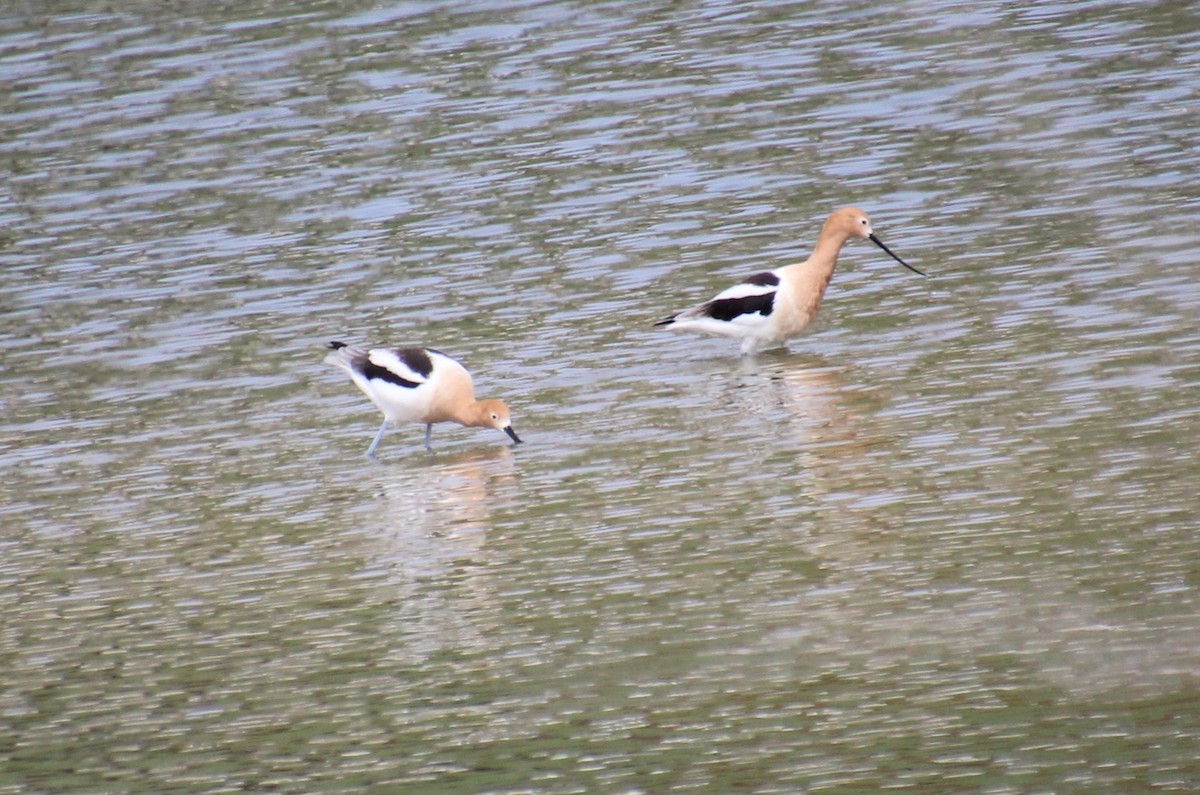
[947, 542]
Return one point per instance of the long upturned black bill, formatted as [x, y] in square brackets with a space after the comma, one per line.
[892, 254]
[512, 435]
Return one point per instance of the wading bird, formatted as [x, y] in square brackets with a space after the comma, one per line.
[769, 308]
[418, 385]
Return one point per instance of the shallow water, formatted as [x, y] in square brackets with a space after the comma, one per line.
[947, 542]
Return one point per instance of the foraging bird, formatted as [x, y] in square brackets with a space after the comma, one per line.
[418, 385]
[769, 308]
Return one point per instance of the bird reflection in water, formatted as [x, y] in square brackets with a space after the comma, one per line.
[430, 544]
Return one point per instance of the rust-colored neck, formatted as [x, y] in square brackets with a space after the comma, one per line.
[834, 235]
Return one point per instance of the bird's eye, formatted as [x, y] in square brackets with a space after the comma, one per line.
[495, 416]
[862, 221]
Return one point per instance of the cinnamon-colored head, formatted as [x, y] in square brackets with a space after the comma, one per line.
[851, 222]
[848, 222]
[494, 414]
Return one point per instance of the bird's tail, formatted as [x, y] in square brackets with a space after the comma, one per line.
[343, 355]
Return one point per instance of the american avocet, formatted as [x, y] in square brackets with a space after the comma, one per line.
[770, 308]
[418, 385]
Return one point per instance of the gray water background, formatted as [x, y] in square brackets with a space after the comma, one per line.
[948, 542]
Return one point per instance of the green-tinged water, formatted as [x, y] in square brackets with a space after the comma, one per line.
[948, 542]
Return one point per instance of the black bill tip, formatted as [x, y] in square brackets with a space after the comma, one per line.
[512, 435]
[892, 254]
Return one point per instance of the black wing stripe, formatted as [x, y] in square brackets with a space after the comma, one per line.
[417, 360]
[372, 372]
[764, 279]
[732, 308]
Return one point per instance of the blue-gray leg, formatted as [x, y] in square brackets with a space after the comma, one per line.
[428, 433]
[378, 436]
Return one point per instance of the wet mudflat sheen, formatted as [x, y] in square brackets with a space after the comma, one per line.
[945, 542]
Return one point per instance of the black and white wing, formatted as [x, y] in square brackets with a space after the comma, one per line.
[735, 311]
